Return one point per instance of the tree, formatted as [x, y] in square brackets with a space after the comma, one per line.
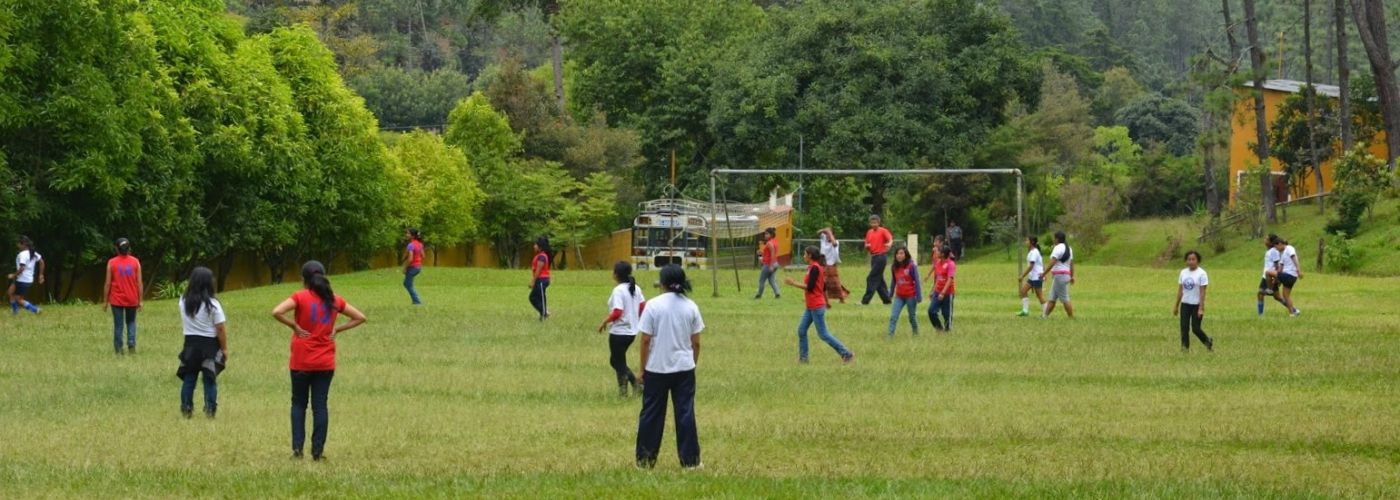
[411, 98]
[1261, 129]
[1294, 140]
[1339, 26]
[437, 191]
[1154, 118]
[1118, 89]
[1311, 93]
[590, 214]
[1371, 23]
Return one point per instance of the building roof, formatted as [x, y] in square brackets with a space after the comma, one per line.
[1295, 86]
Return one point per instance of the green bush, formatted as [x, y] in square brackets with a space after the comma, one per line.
[1358, 180]
[1340, 254]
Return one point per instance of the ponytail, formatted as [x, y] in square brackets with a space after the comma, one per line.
[673, 280]
[622, 271]
[1060, 238]
[28, 244]
[313, 277]
[123, 246]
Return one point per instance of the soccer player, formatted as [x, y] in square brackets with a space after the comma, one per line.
[206, 342]
[1191, 301]
[814, 291]
[412, 263]
[122, 291]
[1032, 279]
[907, 289]
[625, 307]
[877, 242]
[670, 326]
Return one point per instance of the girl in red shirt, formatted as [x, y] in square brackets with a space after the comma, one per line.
[313, 351]
[122, 292]
[412, 263]
[814, 291]
[907, 289]
[539, 277]
[944, 270]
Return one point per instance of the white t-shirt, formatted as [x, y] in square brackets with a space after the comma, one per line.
[203, 322]
[1037, 264]
[670, 320]
[1270, 260]
[1058, 253]
[831, 252]
[29, 260]
[1287, 258]
[1191, 283]
[629, 303]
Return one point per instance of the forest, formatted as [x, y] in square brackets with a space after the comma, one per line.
[285, 129]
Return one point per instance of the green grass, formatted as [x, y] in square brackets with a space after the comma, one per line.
[469, 396]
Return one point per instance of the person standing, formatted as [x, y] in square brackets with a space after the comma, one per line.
[831, 255]
[312, 363]
[877, 242]
[29, 265]
[1191, 301]
[670, 326]
[206, 342]
[768, 262]
[122, 292]
[539, 277]
[1062, 276]
[625, 307]
[904, 273]
[413, 263]
[1289, 272]
[815, 294]
[1032, 279]
[944, 272]
[955, 237]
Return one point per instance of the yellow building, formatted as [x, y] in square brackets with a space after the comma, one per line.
[1243, 138]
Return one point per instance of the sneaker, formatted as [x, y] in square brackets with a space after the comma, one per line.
[209, 413]
[1023, 314]
[696, 467]
[131, 349]
[187, 412]
[848, 358]
[757, 297]
[622, 391]
[296, 454]
[1297, 312]
[1211, 346]
[317, 456]
[801, 361]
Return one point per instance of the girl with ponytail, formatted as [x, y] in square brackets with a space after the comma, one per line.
[29, 266]
[312, 362]
[122, 292]
[539, 276]
[670, 327]
[412, 263]
[626, 305]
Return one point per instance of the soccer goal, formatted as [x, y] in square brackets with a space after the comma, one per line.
[717, 174]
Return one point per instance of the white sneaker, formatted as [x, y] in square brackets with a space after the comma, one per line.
[1297, 312]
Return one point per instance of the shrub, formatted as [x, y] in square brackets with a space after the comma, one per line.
[1340, 254]
[1088, 208]
[1358, 180]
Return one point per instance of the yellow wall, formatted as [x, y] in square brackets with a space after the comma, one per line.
[1242, 138]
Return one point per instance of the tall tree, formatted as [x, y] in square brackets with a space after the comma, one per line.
[1339, 12]
[1312, 101]
[1261, 125]
[1370, 23]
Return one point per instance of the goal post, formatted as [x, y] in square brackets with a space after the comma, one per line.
[715, 174]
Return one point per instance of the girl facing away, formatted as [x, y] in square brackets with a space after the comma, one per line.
[625, 307]
[206, 342]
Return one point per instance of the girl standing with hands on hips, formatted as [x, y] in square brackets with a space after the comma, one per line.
[625, 309]
[670, 327]
[312, 361]
[1191, 301]
[123, 290]
[539, 280]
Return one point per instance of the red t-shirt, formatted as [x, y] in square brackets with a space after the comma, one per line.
[944, 271]
[904, 282]
[317, 352]
[815, 295]
[541, 265]
[770, 253]
[126, 272]
[415, 253]
[878, 240]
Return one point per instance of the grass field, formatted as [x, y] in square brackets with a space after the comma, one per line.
[470, 396]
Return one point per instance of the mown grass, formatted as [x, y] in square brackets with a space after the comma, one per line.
[470, 396]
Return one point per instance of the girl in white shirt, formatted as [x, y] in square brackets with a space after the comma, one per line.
[831, 255]
[29, 267]
[1032, 279]
[206, 342]
[670, 328]
[1191, 301]
[625, 307]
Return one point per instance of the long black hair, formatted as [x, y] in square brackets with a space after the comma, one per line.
[28, 244]
[908, 258]
[813, 253]
[124, 247]
[673, 280]
[413, 233]
[543, 243]
[1035, 241]
[1060, 239]
[313, 277]
[199, 292]
[622, 270]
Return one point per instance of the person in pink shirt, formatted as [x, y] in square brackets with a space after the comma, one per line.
[944, 272]
[413, 263]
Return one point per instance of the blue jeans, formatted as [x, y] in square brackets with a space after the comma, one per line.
[315, 386]
[901, 303]
[769, 275]
[123, 316]
[211, 392]
[944, 307]
[817, 316]
[408, 277]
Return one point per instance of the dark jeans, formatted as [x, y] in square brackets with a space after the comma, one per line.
[538, 299]
[944, 307]
[618, 345]
[957, 247]
[317, 387]
[408, 277]
[875, 281]
[123, 316]
[1190, 322]
[652, 424]
[211, 392]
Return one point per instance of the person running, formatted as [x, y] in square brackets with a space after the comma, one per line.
[955, 237]
[1191, 301]
[625, 307]
[877, 242]
[814, 290]
[29, 265]
[206, 342]
[831, 255]
[670, 326]
[1268, 283]
[413, 263]
[907, 289]
[1062, 276]
[122, 292]
[941, 303]
[1289, 272]
[539, 277]
[1032, 279]
[768, 263]
[312, 363]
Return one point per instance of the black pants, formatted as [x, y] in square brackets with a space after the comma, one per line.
[538, 298]
[317, 387]
[652, 424]
[1190, 322]
[957, 248]
[875, 281]
[619, 344]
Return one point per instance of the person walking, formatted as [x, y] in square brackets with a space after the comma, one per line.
[831, 255]
[1062, 274]
[1269, 283]
[206, 342]
[122, 291]
[941, 300]
[955, 238]
[413, 263]
[312, 363]
[670, 327]
[1033, 278]
[29, 266]
[815, 294]
[877, 242]
[768, 263]
[1191, 301]
[1288, 274]
[904, 273]
[539, 277]
[625, 307]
